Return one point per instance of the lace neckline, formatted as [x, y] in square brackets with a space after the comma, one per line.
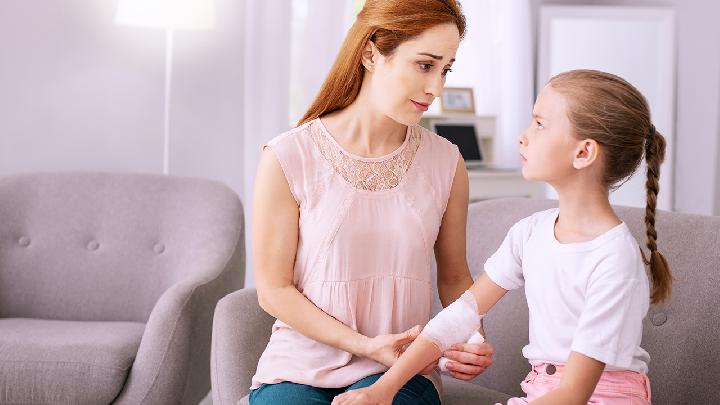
[367, 173]
[353, 156]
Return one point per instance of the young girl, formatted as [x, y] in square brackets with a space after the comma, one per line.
[583, 272]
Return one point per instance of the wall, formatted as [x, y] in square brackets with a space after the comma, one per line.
[81, 93]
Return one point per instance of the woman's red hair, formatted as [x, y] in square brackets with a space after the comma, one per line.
[387, 23]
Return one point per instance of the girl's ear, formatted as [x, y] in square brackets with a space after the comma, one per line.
[586, 153]
[369, 55]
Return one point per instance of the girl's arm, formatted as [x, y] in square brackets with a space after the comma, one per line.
[453, 274]
[421, 352]
[577, 384]
[275, 239]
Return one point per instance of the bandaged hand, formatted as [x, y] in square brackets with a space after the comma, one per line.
[454, 324]
[475, 338]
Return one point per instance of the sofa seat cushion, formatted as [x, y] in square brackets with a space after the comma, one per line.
[456, 392]
[65, 362]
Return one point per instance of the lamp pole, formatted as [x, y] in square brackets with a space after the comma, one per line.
[168, 15]
[168, 95]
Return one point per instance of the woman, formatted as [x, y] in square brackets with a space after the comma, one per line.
[349, 207]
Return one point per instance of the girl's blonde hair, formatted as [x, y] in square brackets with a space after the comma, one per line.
[387, 23]
[611, 111]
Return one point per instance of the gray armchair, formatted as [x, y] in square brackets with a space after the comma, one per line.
[108, 284]
[680, 335]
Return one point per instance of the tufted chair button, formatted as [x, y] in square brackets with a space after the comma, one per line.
[159, 248]
[93, 245]
[659, 318]
[24, 241]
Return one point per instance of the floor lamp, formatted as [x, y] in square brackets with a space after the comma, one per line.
[169, 15]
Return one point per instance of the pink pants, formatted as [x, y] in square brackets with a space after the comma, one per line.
[614, 387]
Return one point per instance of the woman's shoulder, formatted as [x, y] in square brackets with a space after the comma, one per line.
[293, 138]
[434, 141]
[437, 156]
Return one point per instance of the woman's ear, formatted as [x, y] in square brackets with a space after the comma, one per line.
[586, 154]
[369, 56]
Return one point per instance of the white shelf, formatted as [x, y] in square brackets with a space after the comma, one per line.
[486, 184]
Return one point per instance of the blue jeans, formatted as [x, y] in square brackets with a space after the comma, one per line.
[419, 390]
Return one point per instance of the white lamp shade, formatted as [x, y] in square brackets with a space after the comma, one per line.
[168, 14]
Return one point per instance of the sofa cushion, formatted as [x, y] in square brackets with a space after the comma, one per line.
[65, 362]
[456, 392]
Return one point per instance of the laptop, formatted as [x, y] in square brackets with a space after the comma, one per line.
[463, 134]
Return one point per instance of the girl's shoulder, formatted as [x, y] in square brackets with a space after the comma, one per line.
[521, 232]
[537, 219]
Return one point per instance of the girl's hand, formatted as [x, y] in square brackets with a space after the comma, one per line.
[363, 396]
[386, 349]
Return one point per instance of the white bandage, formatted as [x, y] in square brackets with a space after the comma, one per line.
[454, 324]
[475, 338]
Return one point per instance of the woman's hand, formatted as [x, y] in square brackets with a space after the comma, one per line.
[386, 349]
[468, 359]
[363, 396]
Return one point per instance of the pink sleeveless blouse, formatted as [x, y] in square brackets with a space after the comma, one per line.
[365, 250]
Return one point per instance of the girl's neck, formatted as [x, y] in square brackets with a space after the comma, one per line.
[585, 213]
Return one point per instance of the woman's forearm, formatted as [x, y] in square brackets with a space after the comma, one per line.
[450, 289]
[291, 307]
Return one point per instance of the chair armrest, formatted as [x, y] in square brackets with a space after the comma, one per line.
[172, 363]
[241, 330]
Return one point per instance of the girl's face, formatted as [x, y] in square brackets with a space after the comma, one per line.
[404, 84]
[548, 147]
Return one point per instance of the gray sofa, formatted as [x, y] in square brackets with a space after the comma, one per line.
[680, 335]
[108, 284]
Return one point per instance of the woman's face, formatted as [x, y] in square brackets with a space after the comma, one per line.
[405, 83]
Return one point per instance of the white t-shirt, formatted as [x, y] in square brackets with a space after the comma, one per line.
[588, 297]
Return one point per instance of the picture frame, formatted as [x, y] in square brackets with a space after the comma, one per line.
[458, 99]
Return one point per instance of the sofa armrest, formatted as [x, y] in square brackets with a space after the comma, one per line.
[167, 329]
[172, 362]
[241, 330]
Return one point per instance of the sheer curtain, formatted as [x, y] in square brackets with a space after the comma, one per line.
[289, 46]
[517, 69]
[318, 29]
[266, 97]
